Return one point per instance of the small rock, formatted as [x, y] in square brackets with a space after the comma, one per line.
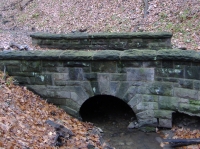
[183, 48]
[121, 143]
[132, 125]
[90, 146]
[100, 130]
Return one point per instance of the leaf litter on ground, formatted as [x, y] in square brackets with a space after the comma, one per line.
[181, 17]
[22, 121]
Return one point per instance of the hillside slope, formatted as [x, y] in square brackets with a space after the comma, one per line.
[21, 17]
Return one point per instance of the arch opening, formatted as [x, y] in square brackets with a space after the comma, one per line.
[183, 120]
[106, 109]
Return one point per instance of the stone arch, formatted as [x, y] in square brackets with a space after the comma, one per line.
[100, 105]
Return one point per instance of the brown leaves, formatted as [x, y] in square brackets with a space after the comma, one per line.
[105, 16]
[183, 133]
[22, 121]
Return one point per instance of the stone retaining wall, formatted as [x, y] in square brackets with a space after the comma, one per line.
[153, 83]
[104, 41]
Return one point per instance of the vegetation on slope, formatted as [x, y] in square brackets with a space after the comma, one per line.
[182, 17]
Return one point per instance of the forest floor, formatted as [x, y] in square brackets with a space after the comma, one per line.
[19, 18]
[28, 121]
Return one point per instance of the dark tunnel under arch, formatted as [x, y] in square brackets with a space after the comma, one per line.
[103, 107]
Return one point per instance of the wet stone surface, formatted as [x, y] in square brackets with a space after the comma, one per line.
[113, 120]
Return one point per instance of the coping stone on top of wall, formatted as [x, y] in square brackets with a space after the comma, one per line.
[82, 55]
[103, 41]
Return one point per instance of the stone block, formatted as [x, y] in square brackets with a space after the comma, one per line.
[135, 100]
[43, 79]
[189, 109]
[148, 114]
[136, 43]
[163, 114]
[104, 67]
[156, 64]
[39, 89]
[99, 42]
[107, 55]
[130, 63]
[24, 80]
[169, 72]
[114, 85]
[72, 104]
[138, 55]
[140, 74]
[142, 98]
[168, 79]
[181, 64]
[31, 66]
[95, 87]
[123, 87]
[76, 74]
[150, 98]
[196, 84]
[62, 94]
[186, 93]
[161, 88]
[143, 106]
[104, 83]
[10, 62]
[76, 64]
[118, 44]
[118, 77]
[166, 123]
[75, 97]
[22, 74]
[74, 55]
[160, 72]
[131, 92]
[168, 103]
[11, 69]
[185, 83]
[62, 69]
[175, 54]
[60, 76]
[80, 93]
[176, 73]
[148, 122]
[87, 88]
[52, 64]
[192, 72]
[90, 76]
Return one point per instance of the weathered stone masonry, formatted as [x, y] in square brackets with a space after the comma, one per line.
[104, 41]
[154, 83]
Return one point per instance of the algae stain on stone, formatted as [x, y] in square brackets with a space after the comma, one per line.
[42, 78]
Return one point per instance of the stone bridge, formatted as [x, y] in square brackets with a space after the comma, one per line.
[154, 82]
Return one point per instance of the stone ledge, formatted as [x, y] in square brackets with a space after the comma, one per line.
[102, 35]
[135, 54]
[103, 41]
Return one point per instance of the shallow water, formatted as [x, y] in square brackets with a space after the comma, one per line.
[113, 119]
[116, 134]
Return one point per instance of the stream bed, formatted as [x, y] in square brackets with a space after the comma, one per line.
[113, 119]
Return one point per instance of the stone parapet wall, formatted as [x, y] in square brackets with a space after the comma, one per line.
[153, 83]
[104, 41]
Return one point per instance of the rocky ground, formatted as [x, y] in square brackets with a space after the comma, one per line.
[19, 18]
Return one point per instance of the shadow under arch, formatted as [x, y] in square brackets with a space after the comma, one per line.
[104, 108]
